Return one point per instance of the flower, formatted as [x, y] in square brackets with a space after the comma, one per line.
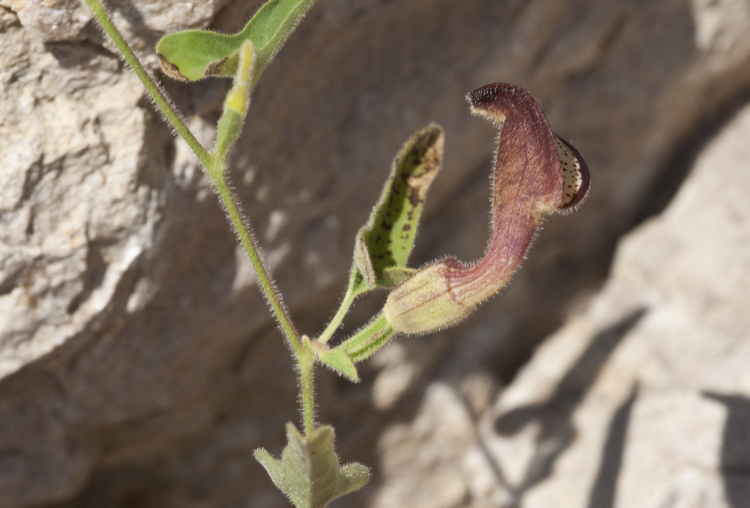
[535, 173]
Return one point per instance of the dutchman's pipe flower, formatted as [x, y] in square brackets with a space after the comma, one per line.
[536, 173]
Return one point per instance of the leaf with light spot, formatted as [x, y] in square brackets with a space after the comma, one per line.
[383, 245]
[195, 54]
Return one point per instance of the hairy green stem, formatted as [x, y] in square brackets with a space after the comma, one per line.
[153, 89]
[306, 365]
[375, 334]
[353, 290]
[216, 168]
[216, 171]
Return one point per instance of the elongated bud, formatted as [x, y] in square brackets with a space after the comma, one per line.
[237, 102]
[535, 173]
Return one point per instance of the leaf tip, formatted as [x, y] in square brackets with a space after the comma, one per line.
[426, 152]
[170, 69]
[339, 362]
[353, 477]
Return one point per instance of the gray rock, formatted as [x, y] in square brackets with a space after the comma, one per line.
[644, 398]
[138, 364]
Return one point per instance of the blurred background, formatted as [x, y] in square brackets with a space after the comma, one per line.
[139, 367]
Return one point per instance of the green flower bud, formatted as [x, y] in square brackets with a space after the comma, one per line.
[535, 173]
[237, 102]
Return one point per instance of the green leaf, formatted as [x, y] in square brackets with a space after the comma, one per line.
[309, 473]
[310, 467]
[383, 245]
[339, 362]
[272, 467]
[194, 54]
[354, 476]
[363, 262]
[387, 239]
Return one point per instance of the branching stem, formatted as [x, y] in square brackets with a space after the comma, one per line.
[216, 170]
[215, 165]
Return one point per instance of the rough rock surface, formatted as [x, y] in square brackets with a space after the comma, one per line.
[644, 398]
[138, 366]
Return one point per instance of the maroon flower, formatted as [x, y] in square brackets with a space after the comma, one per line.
[536, 173]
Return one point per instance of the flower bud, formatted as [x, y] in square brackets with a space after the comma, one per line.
[237, 102]
[535, 173]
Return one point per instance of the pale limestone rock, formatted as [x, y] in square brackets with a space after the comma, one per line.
[50, 20]
[60, 20]
[673, 452]
[644, 400]
[418, 473]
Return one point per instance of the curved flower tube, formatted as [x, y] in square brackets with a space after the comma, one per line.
[535, 173]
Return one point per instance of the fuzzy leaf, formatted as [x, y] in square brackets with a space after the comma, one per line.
[272, 467]
[194, 54]
[310, 467]
[309, 473]
[363, 262]
[354, 476]
[339, 362]
[388, 238]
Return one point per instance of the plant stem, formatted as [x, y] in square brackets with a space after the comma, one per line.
[153, 89]
[306, 363]
[353, 290]
[216, 171]
[215, 167]
[369, 339]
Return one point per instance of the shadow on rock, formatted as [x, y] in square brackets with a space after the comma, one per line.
[555, 415]
[605, 486]
[735, 448]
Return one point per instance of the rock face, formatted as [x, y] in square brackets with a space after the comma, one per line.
[138, 365]
[644, 398]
